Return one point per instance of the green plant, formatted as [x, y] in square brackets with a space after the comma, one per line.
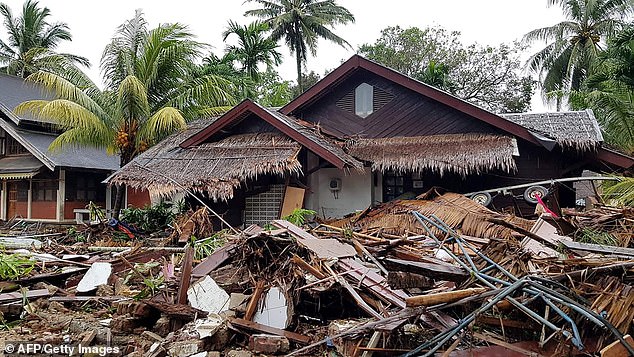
[299, 215]
[96, 212]
[13, 266]
[596, 236]
[205, 247]
[75, 235]
[151, 286]
[620, 192]
[150, 218]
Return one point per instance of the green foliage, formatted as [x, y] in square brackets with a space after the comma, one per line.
[14, 266]
[620, 192]
[253, 47]
[205, 247]
[151, 286]
[488, 76]
[73, 234]
[150, 218]
[301, 23]
[609, 91]
[574, 44]
[32, 41]
[596, 236]
[299, 215]
[96, 212]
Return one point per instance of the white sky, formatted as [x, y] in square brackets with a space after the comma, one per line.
[93, 23]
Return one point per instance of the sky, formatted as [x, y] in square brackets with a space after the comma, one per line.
[489, 22]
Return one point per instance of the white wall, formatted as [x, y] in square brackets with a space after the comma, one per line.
[355, 195]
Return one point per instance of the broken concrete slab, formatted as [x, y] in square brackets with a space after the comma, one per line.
[273, 309]
[98, 274]
[206, 295]
[208, 326]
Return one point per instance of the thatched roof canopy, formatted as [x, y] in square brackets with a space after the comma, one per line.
[464, 154]
[216, 168]
[577, 130]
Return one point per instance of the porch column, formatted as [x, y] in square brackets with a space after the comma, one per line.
[29, 199]
[61, 195]
[3, 201]
[108, 201]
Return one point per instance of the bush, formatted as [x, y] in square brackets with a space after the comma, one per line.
[151, 218]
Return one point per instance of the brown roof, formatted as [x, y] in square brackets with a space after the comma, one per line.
[460, 153]
[308, 137]
[216, 168]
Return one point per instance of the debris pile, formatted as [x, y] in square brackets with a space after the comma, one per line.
[436, 275]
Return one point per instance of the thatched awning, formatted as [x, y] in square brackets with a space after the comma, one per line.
[215, 168]
[464, 154]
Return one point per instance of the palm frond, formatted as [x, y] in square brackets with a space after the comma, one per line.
[164, 122]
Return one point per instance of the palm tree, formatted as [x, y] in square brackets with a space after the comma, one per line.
[253, 47]
[150, 92]
[575, 43]
[609, 91]
[301, 23]
[32, 41]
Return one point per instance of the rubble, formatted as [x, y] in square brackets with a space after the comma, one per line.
[439, 274]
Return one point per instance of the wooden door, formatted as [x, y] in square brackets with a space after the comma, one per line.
[12, 199]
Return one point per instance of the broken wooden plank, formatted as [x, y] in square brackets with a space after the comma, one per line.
[183, 312]
[216, 259]
[19, 295]
[304, 265]
[74, 298]
[374, 282]
[186, 275]
[616, 348]
[255, 299]
[405, 280]
[599, 248]
[440, 271]
[444, 297]
[253, 326]
[506, 345]
[323, 248]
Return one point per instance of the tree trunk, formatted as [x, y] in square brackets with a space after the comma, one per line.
[118, 201]
[298, 58]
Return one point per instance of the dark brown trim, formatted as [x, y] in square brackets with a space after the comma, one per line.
[615, 158]
[356, 62]
[248, 106]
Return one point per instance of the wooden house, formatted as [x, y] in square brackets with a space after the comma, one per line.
[367, 134]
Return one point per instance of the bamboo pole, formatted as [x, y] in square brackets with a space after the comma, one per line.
[444, 297]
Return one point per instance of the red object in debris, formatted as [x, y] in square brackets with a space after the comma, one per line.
[539, 200]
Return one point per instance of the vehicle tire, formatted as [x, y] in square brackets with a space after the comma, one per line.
[483, 198]
[531, 193]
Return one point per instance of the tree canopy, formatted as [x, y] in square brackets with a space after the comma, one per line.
[488, 76]
[32, 41]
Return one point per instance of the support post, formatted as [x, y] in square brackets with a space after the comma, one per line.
[61, 195]
[3, 201]
[29, 199]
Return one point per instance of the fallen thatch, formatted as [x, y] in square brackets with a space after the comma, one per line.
[459, 212]
[459, 153]
[216, 168]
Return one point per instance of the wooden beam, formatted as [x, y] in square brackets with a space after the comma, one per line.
[186, 276]
[254, 326]
[255, 299]
[444, 297]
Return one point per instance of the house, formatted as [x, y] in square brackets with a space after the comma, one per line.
[367, 134]
[41, 185]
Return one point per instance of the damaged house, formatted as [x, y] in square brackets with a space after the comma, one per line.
[41, 185]
[363, 135]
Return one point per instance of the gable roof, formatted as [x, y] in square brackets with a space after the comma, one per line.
[305, 136]
[525, 126]
[15, 90]
[357, 62]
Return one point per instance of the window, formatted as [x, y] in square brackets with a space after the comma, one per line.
[363, 100]
[82, 188]
[45, 190]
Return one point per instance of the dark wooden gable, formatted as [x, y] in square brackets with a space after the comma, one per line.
[398, 111]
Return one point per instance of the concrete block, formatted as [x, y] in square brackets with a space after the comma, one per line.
[268, 344]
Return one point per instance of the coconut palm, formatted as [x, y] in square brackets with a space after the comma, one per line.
[150, 92]
[253, 47]
[32, 41]
[301, 23]
[609, 91]
[575, 43]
